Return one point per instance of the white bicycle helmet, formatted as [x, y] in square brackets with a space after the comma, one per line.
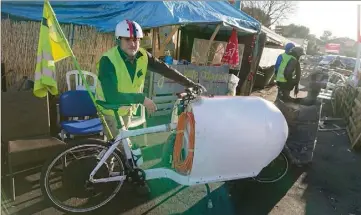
[128, 29]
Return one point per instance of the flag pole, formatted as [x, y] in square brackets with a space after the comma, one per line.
[356, 75]
[77, 66]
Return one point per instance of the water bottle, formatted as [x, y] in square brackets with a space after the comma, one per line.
[168, 59]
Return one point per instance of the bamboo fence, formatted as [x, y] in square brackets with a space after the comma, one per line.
[347, 104]
[19, 43]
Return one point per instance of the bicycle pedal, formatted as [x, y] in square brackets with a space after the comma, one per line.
[136, 176]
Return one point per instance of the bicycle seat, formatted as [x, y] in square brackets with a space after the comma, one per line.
[109, 106]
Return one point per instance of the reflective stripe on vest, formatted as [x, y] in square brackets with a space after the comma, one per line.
[44, 56]
[125, 84]
[45, 79]
[280, 74]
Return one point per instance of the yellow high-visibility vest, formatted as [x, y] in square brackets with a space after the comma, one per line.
[52, 47]
[125, 84]
[280, 74]
[45, 66]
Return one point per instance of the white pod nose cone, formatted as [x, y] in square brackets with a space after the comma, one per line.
[235, 137]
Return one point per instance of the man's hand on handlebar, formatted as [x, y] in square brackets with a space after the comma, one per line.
[189, 94]
[200, 87]
[181, 95]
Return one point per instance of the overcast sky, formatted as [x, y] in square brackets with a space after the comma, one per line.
[340, 17]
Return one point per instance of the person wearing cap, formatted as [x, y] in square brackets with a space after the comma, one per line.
[121, 73]
[122, 70]
[288, 47]
[289, 73]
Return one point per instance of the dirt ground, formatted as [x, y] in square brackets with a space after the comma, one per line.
[330, 186]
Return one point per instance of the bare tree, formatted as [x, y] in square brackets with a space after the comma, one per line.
[326, 35]
[269, 12]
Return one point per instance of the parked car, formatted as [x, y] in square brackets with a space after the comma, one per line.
[349, 62]
[326, 60]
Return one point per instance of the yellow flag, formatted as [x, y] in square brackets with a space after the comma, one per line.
[52, 47]
[59, 46]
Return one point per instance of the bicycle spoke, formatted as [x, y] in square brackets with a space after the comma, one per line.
[70, 189]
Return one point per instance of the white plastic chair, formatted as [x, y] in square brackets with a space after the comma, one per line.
[138, 120]
[79, 85]
[135, 121]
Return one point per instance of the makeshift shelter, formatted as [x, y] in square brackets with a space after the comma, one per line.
[105, 15]
[205, 17]
[276, 39]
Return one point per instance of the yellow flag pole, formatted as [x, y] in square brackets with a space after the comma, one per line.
[77, 66]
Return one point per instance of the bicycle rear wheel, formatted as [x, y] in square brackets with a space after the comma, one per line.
[73, 191]
[275, 171]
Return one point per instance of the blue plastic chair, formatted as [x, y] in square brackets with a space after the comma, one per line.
[78, 104]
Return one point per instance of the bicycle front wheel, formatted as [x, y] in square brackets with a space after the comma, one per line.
[65, 181]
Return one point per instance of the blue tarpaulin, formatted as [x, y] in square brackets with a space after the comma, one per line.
[105, 15]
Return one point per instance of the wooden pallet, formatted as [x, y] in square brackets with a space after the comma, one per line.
[354, 118]
[348, 97]
[347, 104]
[338, 95]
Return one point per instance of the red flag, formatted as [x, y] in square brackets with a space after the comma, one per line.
[231, 55]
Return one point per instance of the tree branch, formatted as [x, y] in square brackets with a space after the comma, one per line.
[269, 12]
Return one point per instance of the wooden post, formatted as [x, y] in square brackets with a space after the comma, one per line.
[154, 51]
[166, 41]
[356, 75]
[205, 56]
[155, 33]
[178, 44]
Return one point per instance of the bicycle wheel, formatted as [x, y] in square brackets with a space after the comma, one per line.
[72, 167]
[275, 171]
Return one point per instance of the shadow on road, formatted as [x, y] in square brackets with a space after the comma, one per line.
[334, 179]
[251, 197]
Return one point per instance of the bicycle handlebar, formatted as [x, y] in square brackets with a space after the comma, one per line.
[190, 93]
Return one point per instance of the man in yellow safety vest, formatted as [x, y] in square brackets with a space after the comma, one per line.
[289, 73]
[122, 71]
[288, 47]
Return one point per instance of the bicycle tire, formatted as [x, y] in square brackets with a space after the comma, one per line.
[49, 162]
[277, 178]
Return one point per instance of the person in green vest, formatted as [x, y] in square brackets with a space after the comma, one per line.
[289, 73]
[121, 73]
[288, 47]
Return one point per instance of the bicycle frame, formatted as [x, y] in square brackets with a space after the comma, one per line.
[122, 137]
[205, 169]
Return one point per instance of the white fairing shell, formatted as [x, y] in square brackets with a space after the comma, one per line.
[236, 137]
